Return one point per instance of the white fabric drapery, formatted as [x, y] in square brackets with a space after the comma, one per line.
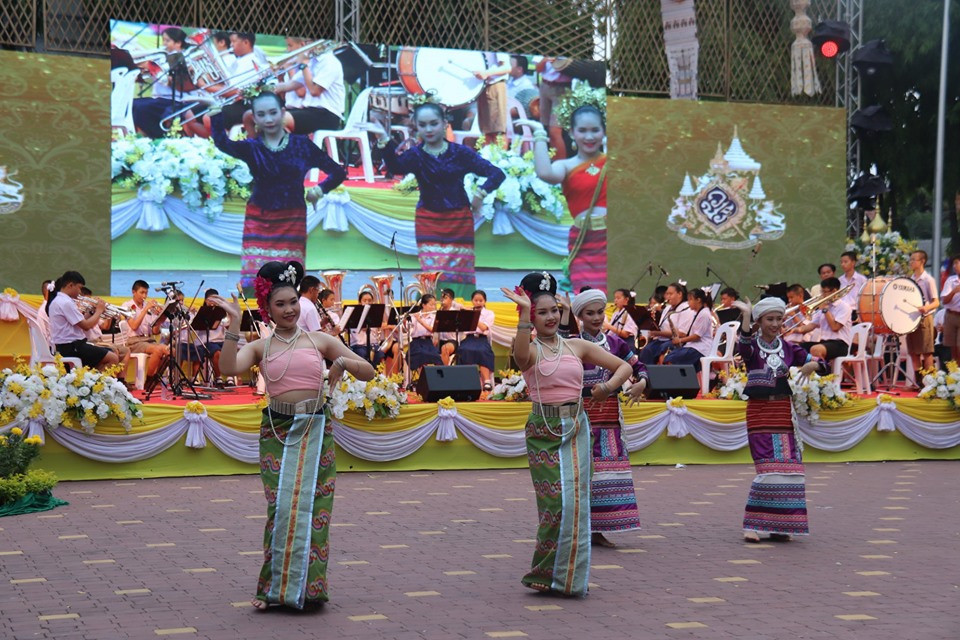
[677, 420]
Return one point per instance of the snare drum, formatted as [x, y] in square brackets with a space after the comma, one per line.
[890, 303]
[445, 73]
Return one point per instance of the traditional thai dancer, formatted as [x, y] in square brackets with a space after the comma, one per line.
[444, 220]
[613, 500]
[297, 463]
[584, 180]
[777, 503]
[275, 226]
[558, 434]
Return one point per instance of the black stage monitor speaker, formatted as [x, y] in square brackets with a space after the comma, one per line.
[672, 380]
[460, 382]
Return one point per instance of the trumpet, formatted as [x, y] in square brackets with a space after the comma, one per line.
[233, 91]
[797, 314]
[112, 311]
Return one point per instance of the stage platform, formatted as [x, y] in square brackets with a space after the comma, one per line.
[222, 439]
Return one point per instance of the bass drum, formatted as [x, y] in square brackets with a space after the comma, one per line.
[446, 74]
[890, 303]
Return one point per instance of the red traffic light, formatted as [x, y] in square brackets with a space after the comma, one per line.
[829, 49]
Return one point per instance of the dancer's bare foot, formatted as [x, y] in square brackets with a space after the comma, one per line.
[259, 605]
[751, 536]
[601, 540]
[781, 537]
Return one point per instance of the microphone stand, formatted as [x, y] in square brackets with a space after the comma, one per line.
[713, 271]
[647, 271]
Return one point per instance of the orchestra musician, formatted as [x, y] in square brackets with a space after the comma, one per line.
[826, 270]
[68, 325]
[309, 298]
[695, 340]
[835, 323]
[329, 319]
[358, 337]
[475, 348]
[96, 336]
[676, 314]
[447, 340]
[492, 102]
[148, 113]
[142, 328]
[951, 303]
[423, 347]
[621, 324]
[794, 321]
[848, 262]
[920, 340]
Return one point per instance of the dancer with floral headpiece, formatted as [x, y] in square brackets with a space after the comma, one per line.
[297, 463]
[558, 434]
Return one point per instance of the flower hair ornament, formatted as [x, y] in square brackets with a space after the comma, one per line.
[262, 287]
[272, 275]
[289, 275]
[252, 92]
[427, 97]
[536, 283]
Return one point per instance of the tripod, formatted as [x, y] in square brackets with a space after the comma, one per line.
[175, 376]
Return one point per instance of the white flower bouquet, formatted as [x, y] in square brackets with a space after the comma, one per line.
[732, 384]
[512, 387]
[818, 393]
[49, 393]
[944, 385]
[522, 190]
[205, 175]
[893, 254]
[380, 397]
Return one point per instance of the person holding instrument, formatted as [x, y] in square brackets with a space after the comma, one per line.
[613, 500]
[444, 219]
[777, 503]
[558, 434]
[297, 460]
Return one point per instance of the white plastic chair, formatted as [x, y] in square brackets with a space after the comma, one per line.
[858, 360]
[474, 132]
[727, 331]
[351, 131]
[526, 133]
[121, 98]
[41, 352]
[140, 378]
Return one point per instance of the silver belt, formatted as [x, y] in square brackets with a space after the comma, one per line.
[570, 410]
[296, 408]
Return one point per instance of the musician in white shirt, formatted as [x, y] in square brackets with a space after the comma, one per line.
[621, 324]
[848, 262]
[142, 327]
[309, 319]
[826, 270]
[423, 350]
[492, 102]
[693, 341]
[675, 315]
[67, 324]
[951, 305]
[835, 323]
[475, 348]
[920, 341]
[96, 336]
[796, 320]
[358, 337]
[447, 340]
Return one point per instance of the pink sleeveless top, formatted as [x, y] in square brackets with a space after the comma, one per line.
[563, 385]
[305, 371]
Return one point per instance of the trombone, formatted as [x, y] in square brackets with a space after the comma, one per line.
[238, 83]
[797, 314]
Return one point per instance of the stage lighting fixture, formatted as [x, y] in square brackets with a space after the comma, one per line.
[870, 121]
[831, 37]
[864, 190]
[872, 58]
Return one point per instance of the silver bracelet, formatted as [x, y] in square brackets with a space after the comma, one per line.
[229, 335]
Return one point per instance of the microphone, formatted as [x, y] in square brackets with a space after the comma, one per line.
[650, 268]
[393, 241]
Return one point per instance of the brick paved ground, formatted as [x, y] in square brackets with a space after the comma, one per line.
[440, 555]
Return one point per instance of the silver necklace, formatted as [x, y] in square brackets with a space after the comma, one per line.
[772, 354]
[306, 429]
[293, 338]
[601, 340]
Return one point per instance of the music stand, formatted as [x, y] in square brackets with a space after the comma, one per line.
[365, 316]
[206, 317]
[731, 314]
[176, 314]
[456, 322]
[643, 318]
[774, 290]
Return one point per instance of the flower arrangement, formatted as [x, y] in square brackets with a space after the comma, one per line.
[582, 94]
[512, 387]
[944, 385]
[522, 190]
[893, 254]
[195, 406]
[51, 394]
[446, 403]
[8, 305]
[732, 383]
[204, 175]
[380, 397]
[16, 454]
[818, 393]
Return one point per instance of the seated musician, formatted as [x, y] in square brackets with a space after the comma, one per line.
[96, 336]
[835, 326]
[693, 341]
[675, 315]
[148, 113]
[327, 300]
[309, 319]
[213, 339]
[423, 348]
[475, 348]
[826, 270]
[42, 320]
[142, 328]
[447, 340]
[324, 101]
[794, 321]
[221, 42]
[244, 72]
[358, 337]
[189, 345]
[621, 324]
[67, 324]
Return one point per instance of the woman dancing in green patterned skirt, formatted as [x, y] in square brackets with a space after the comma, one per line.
[558, 434]
[297, 464]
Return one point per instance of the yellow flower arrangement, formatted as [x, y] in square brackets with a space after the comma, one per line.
[17, 431]
[195, 406]
[10, 291]
[447, 403]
